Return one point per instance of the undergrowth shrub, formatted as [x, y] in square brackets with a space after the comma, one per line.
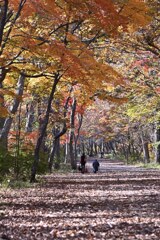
[19, 167]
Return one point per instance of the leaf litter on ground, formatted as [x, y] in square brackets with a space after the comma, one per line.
[119, 202]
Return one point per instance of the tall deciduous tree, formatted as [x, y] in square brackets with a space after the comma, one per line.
[51, 39]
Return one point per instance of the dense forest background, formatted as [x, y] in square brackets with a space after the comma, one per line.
[75, 77]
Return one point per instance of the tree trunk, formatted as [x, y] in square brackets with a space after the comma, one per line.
[54, 150]
[29, 117]
[91, 145]
[41, 120]
[3, 71]
[57, 133]
[18, 143]
[52, 154]
[43, 130]
[13, 110]
[80, 120]
[95, 149]
[71, 140]
[3, 17]
[2, 120]
[66, 152]
[57, 162]
[112, 148]
[157, 141]
[146, 156]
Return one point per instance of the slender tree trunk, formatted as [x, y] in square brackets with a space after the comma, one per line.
[112, 147]
[43, 130]
[102, 145]
[146, 156]
[54, 149]
[29, 117]
[91, 147]
[71, 140]
[95, 148]
[2, 120]
[57, 133]
[3, 73]
[3, 16]
[107, 149]
[52, 154]
[18, 143]
[41, 121]
[123, 151]
[57, 162]
[80, 120]
[146, 152]
[66, 152]
[13, 110]
[157, 141]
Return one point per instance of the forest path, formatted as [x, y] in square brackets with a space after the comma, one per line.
[118, 202]
[107, 165]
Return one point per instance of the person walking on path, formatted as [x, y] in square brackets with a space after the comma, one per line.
[83, 163]
[95, 165]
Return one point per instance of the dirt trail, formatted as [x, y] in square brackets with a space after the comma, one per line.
[107, 165]
[119, 202]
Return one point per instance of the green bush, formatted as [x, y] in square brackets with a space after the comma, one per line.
[15, 167]
[6, 164]
[149, 165]
[12, 183]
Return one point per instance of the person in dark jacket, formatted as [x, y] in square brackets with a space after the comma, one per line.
[83, 163]
[95, 165]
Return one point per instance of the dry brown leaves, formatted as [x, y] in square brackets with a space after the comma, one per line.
[117, 203]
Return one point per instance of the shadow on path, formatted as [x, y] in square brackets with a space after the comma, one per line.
[119, 202]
